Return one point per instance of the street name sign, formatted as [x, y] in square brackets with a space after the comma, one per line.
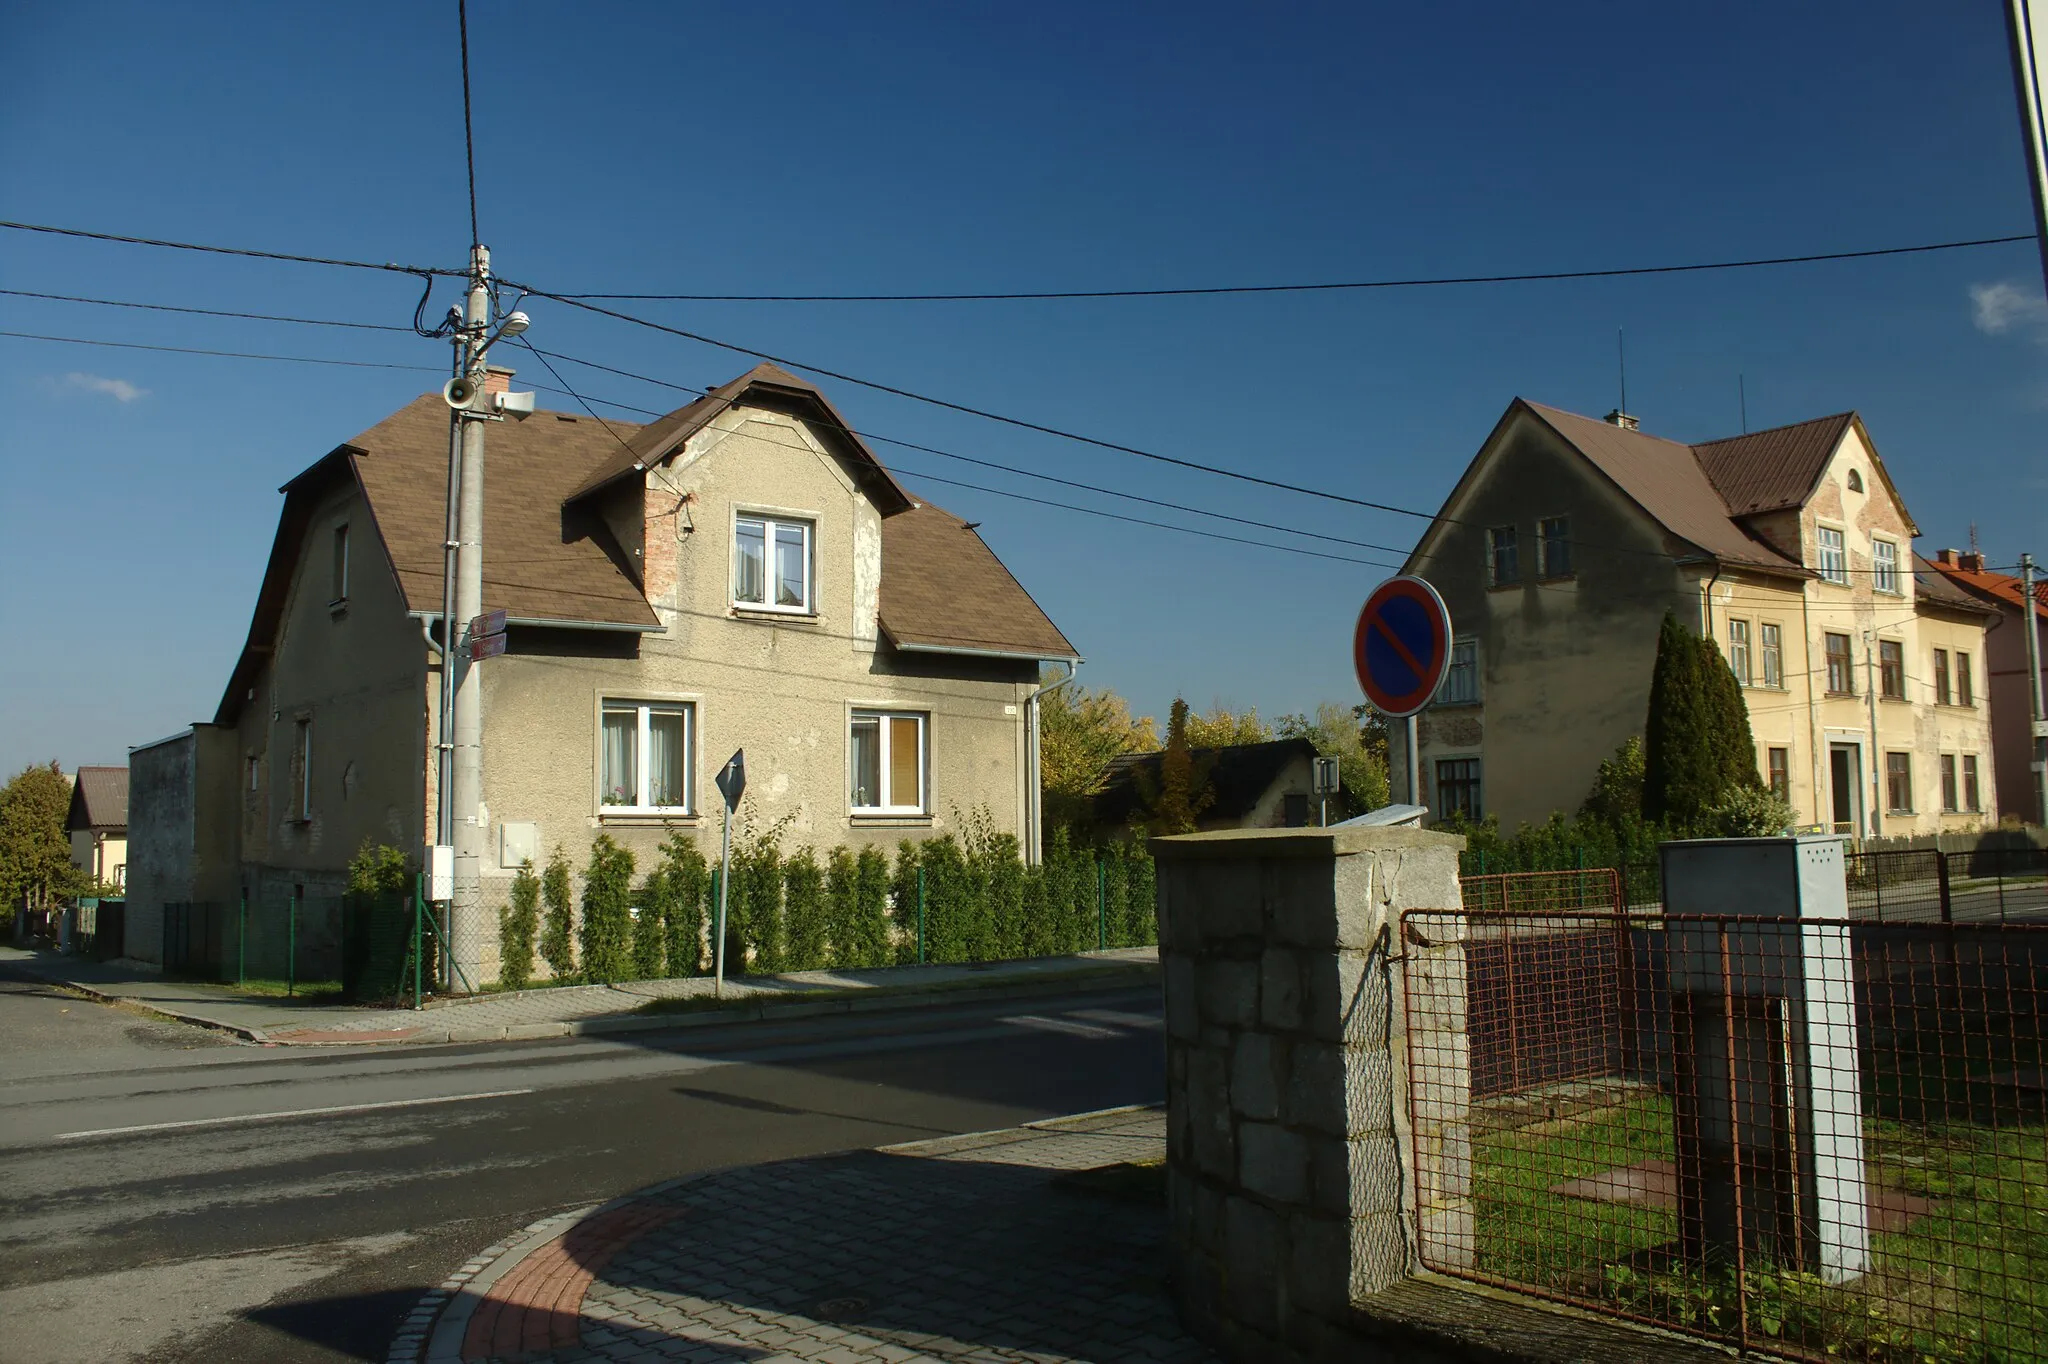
[485, 646]
[489, 623]
[1402, 646]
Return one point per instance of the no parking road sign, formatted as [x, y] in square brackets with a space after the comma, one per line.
[1402, 645]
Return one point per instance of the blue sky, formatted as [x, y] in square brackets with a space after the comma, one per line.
[903, 147]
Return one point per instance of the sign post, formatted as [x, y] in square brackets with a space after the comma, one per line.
[1326, 784]
[1401, 649]
[732, 784]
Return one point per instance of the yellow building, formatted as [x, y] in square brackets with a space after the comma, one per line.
[1568, 538]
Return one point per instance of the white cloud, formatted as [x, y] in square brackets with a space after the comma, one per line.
[2007, 307]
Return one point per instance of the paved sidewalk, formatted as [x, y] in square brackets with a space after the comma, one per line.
[574, 1009]
[978, 1248]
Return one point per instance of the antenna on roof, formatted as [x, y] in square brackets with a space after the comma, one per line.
[1742, 396]
[1973, 539]
[1619, 416]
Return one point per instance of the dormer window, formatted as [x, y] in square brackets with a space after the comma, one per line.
[772, 564]
[1855, 481]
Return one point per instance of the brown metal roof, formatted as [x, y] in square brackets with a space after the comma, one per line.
[99, 799]
[1665, 479]
[539, 563]
[1770, 470]
[943, 588]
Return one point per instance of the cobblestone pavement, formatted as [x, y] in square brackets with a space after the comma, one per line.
[549, 1012]
[966, 1250]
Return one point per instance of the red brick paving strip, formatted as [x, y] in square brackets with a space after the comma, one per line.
[538, 1305]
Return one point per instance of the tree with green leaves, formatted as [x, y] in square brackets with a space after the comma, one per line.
[1222, 727]
[518, 923]
[557, 947]
[686, 882]
[803, 912]
[1697, 746]
[1080, 732]
[35, 852]
[378, 869]
[1336, 732]
[1176, 797]
[1617, 795]
[650, 927]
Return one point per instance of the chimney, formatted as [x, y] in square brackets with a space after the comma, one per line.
[1945, 557]
[497, 379]
[1970, 563]
[1623, 420]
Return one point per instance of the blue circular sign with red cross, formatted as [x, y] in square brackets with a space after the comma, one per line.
[1402, 645]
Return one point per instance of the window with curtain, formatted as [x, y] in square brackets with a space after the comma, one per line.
[1738, 650]
[1834, 555]
[1841, 667]
[886, 761]
[1772, 640]
[646, 752]
[772, 564]
[1898, 783]
[1891, 669]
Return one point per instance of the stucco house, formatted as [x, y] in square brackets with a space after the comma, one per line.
[1568, 538]
[98, 824]
[743, 572]
[2005, 658]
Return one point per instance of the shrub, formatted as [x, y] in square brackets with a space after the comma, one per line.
[754, 907]
[378, 869]
[687, 880]
[948, 888]
[517, 924]
[906, 902]
[867, 941]
[803, 912]
[555, 946]
[606, 934]
[650, 939]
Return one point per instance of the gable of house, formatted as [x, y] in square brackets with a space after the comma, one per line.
[99, 800]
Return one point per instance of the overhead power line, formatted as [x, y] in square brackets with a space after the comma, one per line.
[234, 250]
[1326, 286]
[226, 354]
[468, 136]
[206, 312]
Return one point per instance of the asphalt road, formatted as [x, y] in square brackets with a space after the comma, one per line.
[169, 1196]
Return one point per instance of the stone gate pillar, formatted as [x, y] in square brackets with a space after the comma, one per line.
[1297, 1181]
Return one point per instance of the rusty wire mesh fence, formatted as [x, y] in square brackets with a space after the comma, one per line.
[1826, 1139]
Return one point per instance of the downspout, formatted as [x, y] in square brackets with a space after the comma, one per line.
[1034, 795]
[1815, 730]
[1707, 602]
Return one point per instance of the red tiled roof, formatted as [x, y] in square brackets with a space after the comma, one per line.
[1983, 585]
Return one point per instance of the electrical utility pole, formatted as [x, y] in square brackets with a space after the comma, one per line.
[466, 725]
[2026, 26]
[2038, 749]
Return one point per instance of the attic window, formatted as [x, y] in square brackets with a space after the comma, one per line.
[1855, 481]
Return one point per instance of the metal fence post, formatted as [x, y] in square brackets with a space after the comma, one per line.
[416, 943]
[1941, 879]
[1101, 905]
[920, 916]
[291, 948]
[242, 939]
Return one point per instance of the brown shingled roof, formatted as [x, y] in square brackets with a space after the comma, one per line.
[1766, 471]
[1664, 478]
[99, 799]
[538, 564]
[944, 588]
[764, 385]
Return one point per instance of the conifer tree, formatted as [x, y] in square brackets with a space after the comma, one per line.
[607, 928]
[1181, 792]
[555, 945]
[1697, 745]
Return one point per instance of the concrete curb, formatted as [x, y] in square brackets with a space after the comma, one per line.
[869, 1000]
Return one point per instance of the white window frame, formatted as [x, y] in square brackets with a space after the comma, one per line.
[644, 708]
[885, 737]
[770, 522]
[1770, 647]
[1741, 657]
[1833, 556]
[340, 565]
[1884, 568]
[1464, 654]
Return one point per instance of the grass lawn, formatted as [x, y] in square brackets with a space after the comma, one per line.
[1967, 1282]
